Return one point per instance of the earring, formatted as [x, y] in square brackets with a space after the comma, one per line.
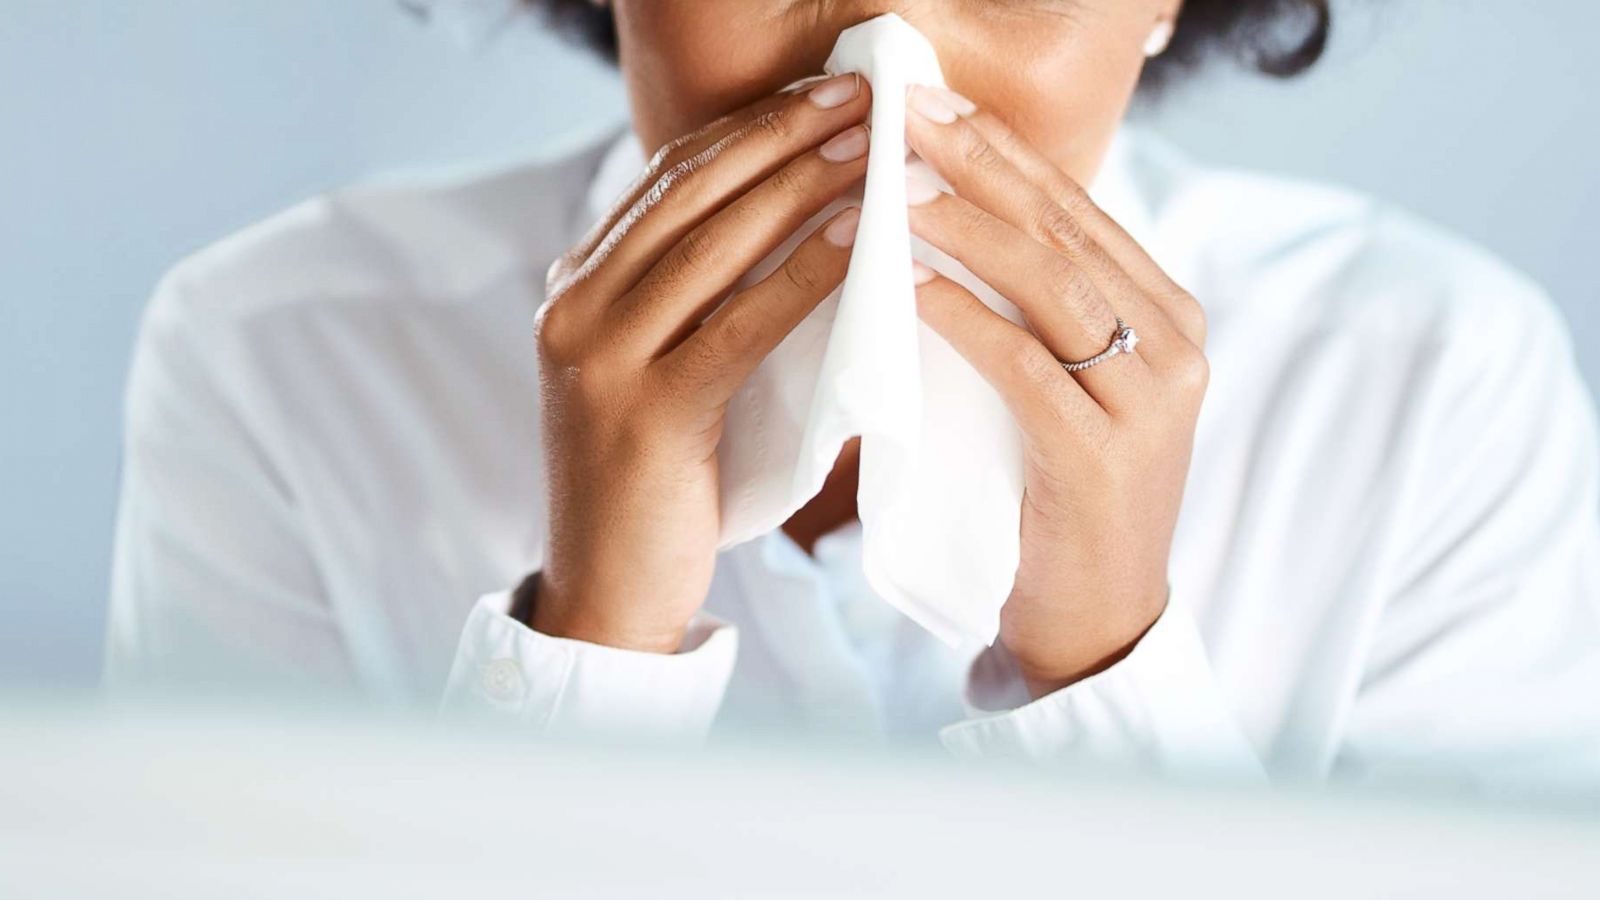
[1160, 37]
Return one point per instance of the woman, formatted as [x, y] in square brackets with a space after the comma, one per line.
[1372, 552]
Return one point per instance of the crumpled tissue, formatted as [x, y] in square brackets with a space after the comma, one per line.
[941, 477]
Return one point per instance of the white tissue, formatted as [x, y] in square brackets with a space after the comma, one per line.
[941, 458]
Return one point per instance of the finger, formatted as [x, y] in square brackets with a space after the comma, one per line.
[1029, 379]
[673, 152]
[688, 281]
[978, 171]
[722, 353]
[693, 182]
[1061, 303]
[1186, 314]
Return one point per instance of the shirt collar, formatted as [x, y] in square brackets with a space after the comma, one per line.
[1121, 192]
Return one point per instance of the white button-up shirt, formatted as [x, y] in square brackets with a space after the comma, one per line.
[1387, 561]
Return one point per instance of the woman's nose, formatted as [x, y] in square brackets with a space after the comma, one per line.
[940, 21]
[910, 10]
[834, 16]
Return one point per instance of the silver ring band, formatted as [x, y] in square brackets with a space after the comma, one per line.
[1122, 342]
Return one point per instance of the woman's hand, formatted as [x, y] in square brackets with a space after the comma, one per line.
[1107, 447]
[635, 376]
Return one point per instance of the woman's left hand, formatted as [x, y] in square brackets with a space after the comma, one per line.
[1107, 448]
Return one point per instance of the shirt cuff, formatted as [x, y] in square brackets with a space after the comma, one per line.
[562, 687]
[1157, 709]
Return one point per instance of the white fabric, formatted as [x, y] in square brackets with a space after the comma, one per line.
[563, 687]
[1386, 561]
[940, 492]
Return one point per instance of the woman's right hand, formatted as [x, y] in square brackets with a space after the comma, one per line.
[634, 375]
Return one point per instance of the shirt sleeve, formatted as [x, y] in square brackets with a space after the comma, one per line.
[213, 588]
[1479, 667]
[507, 672]
[1483, 667]
[1158, 709]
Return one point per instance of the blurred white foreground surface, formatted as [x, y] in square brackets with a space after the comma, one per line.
[185, 807]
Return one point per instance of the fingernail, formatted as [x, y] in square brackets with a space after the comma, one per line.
[807, 81]
[931, 106]
[921, 274]
[919, 192]
[836, 91]
[841, 232]
[957, 102]
[846, 145]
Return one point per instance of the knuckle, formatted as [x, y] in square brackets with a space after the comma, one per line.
[664, 159]
[978, 153]
[1191, 316]
[1191, 372]
[775, 124]
[735, 329]
[792, 181]
[555, 277]
[673, 179]
[669, 153]
[697, 249]
[802, 275]
[553, 330]
[675, 151]
[651, 198]
[668, 182]
[1062, 230]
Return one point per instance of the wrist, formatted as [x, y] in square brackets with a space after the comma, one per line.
[1047, 666]
[543, 605]
[1045, 677]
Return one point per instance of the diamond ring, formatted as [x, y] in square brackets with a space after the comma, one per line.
[1122, 342]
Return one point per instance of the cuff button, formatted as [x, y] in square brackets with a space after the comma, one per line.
[502, 681]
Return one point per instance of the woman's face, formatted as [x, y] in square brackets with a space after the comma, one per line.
[1061, 72]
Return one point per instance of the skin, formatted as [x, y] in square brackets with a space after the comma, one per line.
[634, 386]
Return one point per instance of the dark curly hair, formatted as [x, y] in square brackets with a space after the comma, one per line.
[1277, 37]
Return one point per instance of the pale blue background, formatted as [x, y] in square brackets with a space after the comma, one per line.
[134, 133]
